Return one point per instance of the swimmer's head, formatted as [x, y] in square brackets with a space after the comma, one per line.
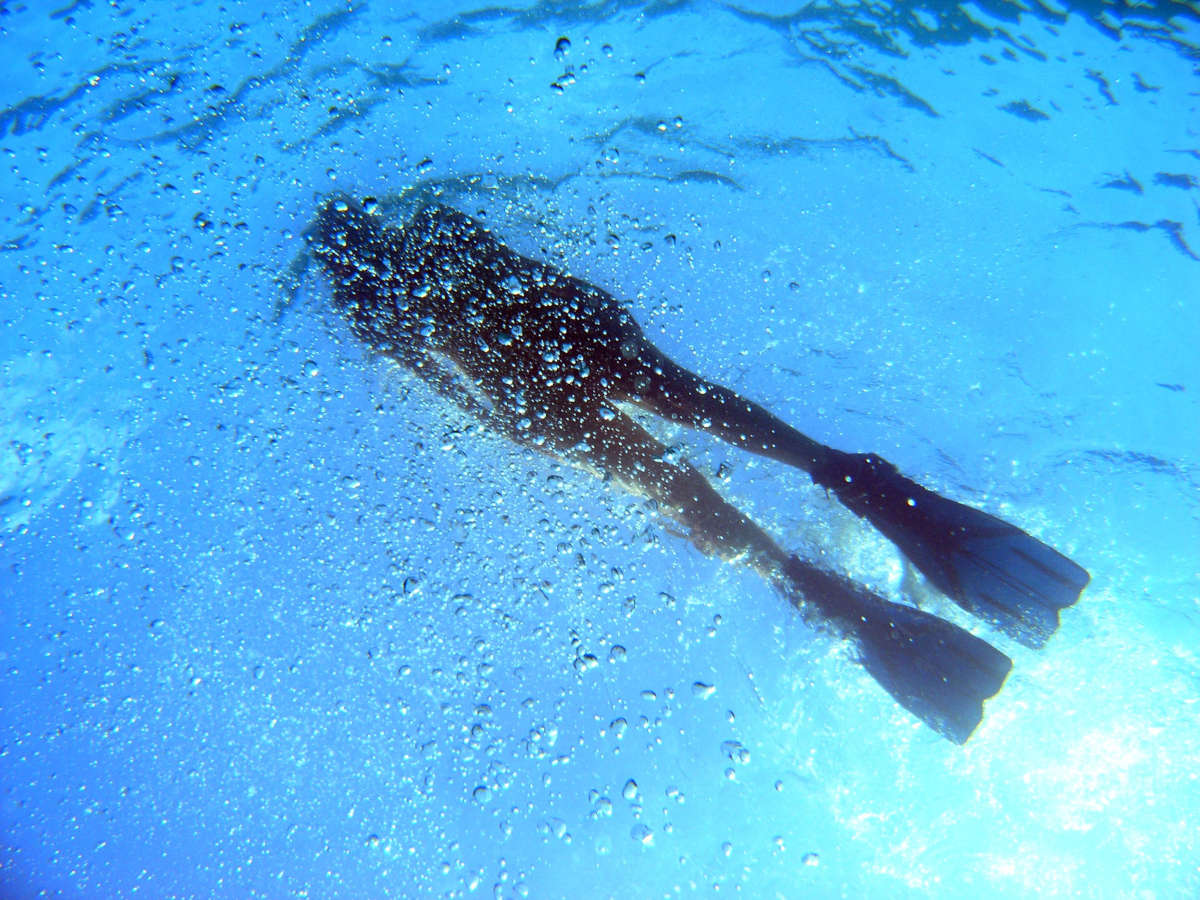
[346, 235]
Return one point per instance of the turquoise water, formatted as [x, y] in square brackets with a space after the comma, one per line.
[276, 622]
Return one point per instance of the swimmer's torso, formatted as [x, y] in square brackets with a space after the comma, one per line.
[536, 343]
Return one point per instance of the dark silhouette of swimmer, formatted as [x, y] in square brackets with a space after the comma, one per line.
[546, 359]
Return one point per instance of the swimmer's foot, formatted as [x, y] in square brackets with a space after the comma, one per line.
[991, 569]
[937, 671]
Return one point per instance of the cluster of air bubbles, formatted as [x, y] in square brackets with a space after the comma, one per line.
[586, 661]
[735, 752]
[562, 51]
[555, 828]
[602, 806]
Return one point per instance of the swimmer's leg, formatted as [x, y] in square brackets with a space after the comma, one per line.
[990, 568]
[630, 455]
[936, 670]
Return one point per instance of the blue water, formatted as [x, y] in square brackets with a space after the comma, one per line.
[276, 622]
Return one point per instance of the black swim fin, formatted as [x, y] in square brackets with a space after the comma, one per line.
[934, 669]
[991, 569]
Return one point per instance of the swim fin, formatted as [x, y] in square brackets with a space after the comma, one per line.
[934, 669]
[990, 568]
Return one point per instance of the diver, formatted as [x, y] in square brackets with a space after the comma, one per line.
[549, 360]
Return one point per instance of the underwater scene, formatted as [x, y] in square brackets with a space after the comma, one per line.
[632, 448]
